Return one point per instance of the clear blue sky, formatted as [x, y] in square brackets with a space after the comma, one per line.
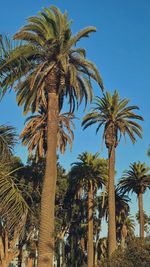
[121, 51]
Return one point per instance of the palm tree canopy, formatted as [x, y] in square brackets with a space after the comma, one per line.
[121, 203]
[47, 45]
[89, 169]
[7, 140]
[34, 134]
[116, 116]
[136, 179]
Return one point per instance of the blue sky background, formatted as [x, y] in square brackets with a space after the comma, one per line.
[121, 50]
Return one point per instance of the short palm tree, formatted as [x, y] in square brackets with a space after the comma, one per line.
[88, 175]
[136, 180]
[47, 66]
[118, 119]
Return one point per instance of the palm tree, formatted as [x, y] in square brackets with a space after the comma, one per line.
[127, 226]
[121, 209]
[7, 141]
[87, 174]
[117, 117]
[34, 135]
[136, 180]
[48, 66]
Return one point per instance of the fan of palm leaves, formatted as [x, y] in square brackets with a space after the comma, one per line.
[136, 179]
[34, 134]
[7, 140]
[13, 208]
[116, 116]
[47, 44]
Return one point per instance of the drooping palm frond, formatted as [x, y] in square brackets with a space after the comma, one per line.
[116, 116]
[13, 208]
[47, 43]
[34, 134]
[7, 140]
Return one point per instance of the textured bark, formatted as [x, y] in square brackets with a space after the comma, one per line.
[124, 233]
[83, 245]
[111, 203]
[30, 262]
[141, 215]
[96, 253]
[8, 250]
[46, 232]
[90, 226]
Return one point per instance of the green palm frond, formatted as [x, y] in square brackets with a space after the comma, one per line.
[14, 209]
[116, 116]
[47, 43]
[7, 140]
[136, 179]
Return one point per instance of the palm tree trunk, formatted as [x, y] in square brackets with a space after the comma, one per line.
[90, 225]
[46, 232]
[141, 215]
[111, 202]
[30, 262]
[124, 233]
[96, 253]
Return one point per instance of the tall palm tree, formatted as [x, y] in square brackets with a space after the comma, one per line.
[48, 66]
[117, 118]
[136, 180]
[87, 173]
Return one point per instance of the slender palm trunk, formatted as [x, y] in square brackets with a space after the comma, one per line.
[124, 233]
[90, 225]
[141, 215]
[46, 233]
[96, 253]
[111, 203]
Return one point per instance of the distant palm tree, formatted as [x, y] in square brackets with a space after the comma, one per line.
[88, 175]
[118, 119]
[136, 180]
[127, 227]
[146, 221]
[7, 141]
[34, 135]
[47, 65]
[121, 211]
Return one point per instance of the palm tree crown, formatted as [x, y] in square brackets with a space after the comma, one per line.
[116, 116]
[7, 140]
[47, 50]
[34, 134]
[136, 180]
[88, 170]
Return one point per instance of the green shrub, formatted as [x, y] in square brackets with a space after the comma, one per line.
[137, 254]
